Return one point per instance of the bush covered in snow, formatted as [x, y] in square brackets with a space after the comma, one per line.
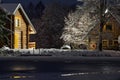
[8, 52]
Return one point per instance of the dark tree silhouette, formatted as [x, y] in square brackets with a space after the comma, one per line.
[4, 32]
[31, 10]
[52, 23]
[39, 9]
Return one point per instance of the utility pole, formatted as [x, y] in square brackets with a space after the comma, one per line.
[102, 8]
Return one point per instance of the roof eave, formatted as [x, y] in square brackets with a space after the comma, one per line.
[19, 6]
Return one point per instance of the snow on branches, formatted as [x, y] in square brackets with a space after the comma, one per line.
[79, 23]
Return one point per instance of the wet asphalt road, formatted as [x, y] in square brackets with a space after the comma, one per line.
[59, 68]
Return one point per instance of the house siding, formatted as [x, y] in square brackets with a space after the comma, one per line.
[21, 30]
[20, 25]
[109, 38]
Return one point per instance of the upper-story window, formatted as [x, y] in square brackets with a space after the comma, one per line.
[17, 22]
[108, 27]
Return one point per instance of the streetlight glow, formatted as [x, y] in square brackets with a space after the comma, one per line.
[106, 11]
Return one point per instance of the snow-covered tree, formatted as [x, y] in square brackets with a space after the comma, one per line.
[80, 22]
[72, 31]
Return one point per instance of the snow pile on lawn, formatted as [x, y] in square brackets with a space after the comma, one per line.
[67, 52]
[9, 52]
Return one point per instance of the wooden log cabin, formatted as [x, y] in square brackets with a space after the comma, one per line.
[21, 26]
[110, 32]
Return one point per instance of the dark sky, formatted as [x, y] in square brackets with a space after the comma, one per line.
[25, 2]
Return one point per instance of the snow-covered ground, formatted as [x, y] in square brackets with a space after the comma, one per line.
[67, 52]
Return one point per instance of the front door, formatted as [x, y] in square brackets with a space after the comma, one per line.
[17, 40]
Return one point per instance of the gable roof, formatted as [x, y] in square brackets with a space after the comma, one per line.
[11, 9]
[114, 11]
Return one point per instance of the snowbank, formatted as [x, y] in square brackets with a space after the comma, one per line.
[67, 52]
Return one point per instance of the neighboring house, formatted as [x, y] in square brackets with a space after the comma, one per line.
[20, 25]
[111, 31]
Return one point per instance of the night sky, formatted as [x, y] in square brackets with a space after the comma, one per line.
[25, 2]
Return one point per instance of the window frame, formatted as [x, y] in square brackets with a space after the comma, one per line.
[114, 42]
[105, 27]
[17, 22]
[105, 42]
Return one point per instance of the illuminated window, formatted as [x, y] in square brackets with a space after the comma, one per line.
[105, 43]
[17, 22]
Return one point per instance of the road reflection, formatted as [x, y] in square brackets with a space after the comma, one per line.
[101, 75]
[22, 68]
[16, 75]
[20, 77]
[89, 73]
[30, 70]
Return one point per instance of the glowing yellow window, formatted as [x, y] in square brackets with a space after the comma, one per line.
[17, 22]
[105, 43]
